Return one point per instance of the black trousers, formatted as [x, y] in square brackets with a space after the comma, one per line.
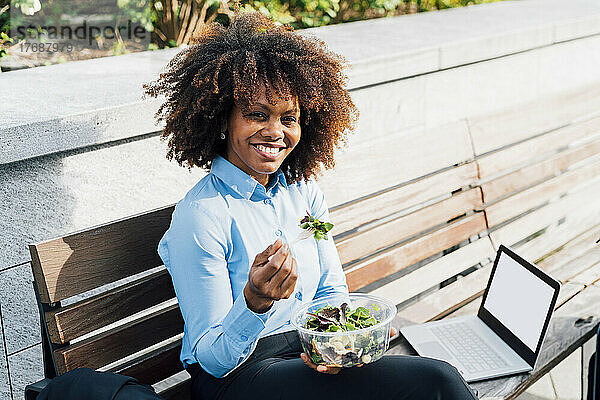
[275, 371]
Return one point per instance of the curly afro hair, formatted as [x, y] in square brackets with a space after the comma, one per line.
[227, 65]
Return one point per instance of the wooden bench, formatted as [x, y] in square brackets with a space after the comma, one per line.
[418, 217]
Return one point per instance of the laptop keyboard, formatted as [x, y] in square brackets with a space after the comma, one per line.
[468, 348]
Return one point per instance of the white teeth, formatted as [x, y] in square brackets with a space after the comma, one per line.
[269, 150]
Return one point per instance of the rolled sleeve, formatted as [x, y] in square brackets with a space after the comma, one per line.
[243, 325]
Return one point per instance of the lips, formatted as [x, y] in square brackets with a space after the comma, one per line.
[268, 151]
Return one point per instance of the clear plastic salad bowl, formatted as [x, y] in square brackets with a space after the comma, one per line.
[346, 348]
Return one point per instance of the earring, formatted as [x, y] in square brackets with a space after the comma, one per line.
[223, 135]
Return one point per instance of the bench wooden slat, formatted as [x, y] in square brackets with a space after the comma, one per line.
[532, 197]
[538, 172]
[576, 247]
[347, 217]
[571, 205]
[180, 391]
[86, 260]
[589, 276]
[574, 269]
[491, 132]
[383, 162]
[448, 299]
[67, 323]
[155, 366]
[397, 258]
[576, 256]
[470, 308]
[539, 147]
[368, 240]
[436, 272]
[584, 269]
[120, 342]
[554, 237]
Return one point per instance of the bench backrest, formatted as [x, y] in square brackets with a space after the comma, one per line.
[414, 211]
[539, 175]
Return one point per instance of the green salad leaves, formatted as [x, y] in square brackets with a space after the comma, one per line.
[318, 228]
[333, 319]
[346, 349]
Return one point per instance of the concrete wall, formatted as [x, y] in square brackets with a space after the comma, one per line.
[79, 147]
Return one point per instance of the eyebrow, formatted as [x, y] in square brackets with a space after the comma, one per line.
[266, 107]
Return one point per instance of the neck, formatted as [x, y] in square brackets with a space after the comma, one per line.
[260, 178]
[263, 179]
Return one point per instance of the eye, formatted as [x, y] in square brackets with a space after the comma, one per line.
[290, 119]
[257, 115]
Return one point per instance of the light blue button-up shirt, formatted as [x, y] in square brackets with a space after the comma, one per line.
[216, 231]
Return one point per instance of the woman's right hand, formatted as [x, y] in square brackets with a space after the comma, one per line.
[271, 280]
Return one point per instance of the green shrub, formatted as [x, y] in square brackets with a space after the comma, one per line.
[5, 40]
[297, 13]
[311, 13]
[172, 22]
[430, 5]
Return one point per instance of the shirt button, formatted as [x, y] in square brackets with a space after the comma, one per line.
[278, 232]
[299, 296]
[268, 201]
[244, 338]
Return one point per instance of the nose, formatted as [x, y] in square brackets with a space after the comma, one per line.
[274, 130]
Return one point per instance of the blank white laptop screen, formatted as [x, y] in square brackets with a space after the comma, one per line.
[519, 300]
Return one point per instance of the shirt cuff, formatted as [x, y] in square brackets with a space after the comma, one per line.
[243, 325]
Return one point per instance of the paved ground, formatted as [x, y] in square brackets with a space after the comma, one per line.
[562, 383]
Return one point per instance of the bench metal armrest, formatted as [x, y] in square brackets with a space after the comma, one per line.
[32, 390]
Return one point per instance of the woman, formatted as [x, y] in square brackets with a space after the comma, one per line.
[263, 108]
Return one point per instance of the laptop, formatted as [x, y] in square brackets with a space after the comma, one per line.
[506, 335]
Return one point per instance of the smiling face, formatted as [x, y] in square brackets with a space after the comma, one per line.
[261, 137]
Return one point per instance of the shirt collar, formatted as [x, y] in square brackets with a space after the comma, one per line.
[280, 177]
[237, 179]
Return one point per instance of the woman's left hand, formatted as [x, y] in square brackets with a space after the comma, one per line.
[319, 368]
[333, 370]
